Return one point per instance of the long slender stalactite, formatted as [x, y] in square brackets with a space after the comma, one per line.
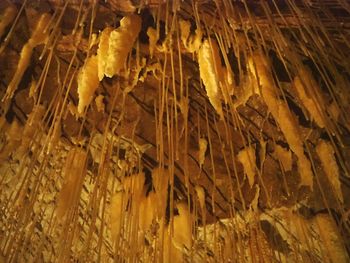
[174, 131]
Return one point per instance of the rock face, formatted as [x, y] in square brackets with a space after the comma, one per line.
[212, 131]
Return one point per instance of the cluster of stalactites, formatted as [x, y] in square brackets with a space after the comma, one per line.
[133, 208]
[113, 49]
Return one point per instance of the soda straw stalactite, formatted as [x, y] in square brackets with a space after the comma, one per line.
[174, 131]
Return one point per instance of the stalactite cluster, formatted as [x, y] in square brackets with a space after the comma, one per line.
[174, 131]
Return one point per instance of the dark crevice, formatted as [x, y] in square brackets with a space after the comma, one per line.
[277, 64]
[148, 180]
[10, 114]
[234, 65]
[147, 21]
[298, 112]
[275, 238]
[283, 144]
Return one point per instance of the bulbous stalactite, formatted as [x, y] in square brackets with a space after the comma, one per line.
[174, 131]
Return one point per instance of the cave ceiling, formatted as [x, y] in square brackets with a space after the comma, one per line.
[121, 120]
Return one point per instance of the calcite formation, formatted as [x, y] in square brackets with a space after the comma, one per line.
[174, 131]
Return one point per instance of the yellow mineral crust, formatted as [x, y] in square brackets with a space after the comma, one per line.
[160, 178]
[13, 135]
[185, 29]
[74, 172]
[87, 83]
[210, 70]
[325, 152]
[102, 52]
[192, 43]
[284, 156]
[203, 145]
[333, 248]
[114, 47]
[259, 67]
[182, 227]
[153, 38]
[116, 210]
[40, 32]
[175, 242]
[201, 196]
[7, 17]
[247, 158]
[30, 130]
[147, 211]
[38, 37]
[134, 185]
[121, 41]
[99, 103]
[318, 237]
[303, 84]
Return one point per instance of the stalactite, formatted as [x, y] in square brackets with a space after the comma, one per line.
[7, 17]
[174, 131]
[87, 83]
[38, 37]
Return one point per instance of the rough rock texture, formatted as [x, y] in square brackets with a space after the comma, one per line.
[150, 166]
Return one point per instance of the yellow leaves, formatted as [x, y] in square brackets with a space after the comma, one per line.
[325, 152]
[247, 158]
[87, 82]
[23, 63]
[334, 111]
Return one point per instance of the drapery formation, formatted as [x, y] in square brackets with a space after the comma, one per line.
[174, 131]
